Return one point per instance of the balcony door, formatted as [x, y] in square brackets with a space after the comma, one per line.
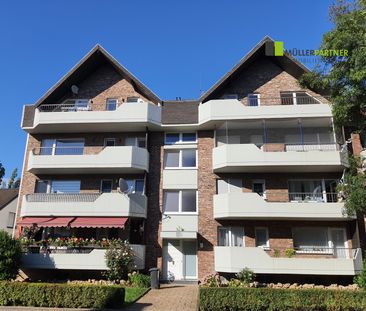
[339, 242]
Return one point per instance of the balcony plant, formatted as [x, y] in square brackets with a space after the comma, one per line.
[290, 252]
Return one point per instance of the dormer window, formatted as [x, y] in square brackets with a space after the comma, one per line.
[111, 104]
[253, 100]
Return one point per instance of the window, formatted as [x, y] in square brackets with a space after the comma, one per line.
[259, 186]
[305, 190]
[111, 104]
[106, 186]
[175, 138]
[310, 238]
[287, 98]
[133, 99]
[180, 201]
[231, 236]
[109, 142]
[174, 158]
[65, 186]
[253, 100]
[135, 185]
[297, 98]
[261, 237]
[47, 146]
[62, 147]
[82, 104]
[229, 185]
[136, 142]
[43, 186]
[11, 220]
[230, 96]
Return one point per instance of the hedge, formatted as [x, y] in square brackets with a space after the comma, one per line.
[60, 295]
[263, 299]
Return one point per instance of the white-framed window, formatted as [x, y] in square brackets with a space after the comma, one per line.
[180, 201]
[58, 186]
[11, 220]
[136, 185]
[261, 237]
[229, 185]
[254, 100]
[136, 141]
[231, 236]
[311, 239]
[109, 142]
[180, 158]
[72, 105]
[297, 98]
[134, 99]
[67, 146]
[106, 185]
[180, 138]
[111, 104]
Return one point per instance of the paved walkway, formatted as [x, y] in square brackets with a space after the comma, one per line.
[172, 297]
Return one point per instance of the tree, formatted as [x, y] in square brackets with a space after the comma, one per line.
[13, 176]
[10, 255]
[2, 173]
[344, 76]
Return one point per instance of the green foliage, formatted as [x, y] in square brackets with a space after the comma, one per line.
[246, 276]
[10, 255]
[360, 279]
[137, 279]
[2, 173]
[344, 76]
[276, 253]
[290, 252]
[119, 260]
[263, 299]
[134, 293]
[14, 182]
[60, 295]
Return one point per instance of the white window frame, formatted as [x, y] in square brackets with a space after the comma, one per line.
[134, 184]
[101, 184]
[109, 139]
[180, 167]
[266, 247]
[229, 228]
[180, 212]
[180, 141]
[110, 99]
[12, 215]
[54, 144]
[258, 99]
[294, 97]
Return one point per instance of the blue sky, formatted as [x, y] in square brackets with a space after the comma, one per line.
[177, 48]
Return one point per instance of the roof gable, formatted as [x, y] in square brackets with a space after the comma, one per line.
[6, 196]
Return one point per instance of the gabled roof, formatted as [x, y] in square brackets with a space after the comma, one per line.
[96, 56]
[6, 196]
[287, 62]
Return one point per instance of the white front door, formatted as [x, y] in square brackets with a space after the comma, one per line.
[172, 260]
[339, 242]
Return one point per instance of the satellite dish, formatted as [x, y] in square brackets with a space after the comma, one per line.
[74, 89]
[122, 184]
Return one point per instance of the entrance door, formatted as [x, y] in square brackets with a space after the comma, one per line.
[172, 260]
[338, 238]
[190, 259]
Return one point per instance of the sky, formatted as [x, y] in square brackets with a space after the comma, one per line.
[176, 48]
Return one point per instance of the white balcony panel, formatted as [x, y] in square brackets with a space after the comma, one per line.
[179, 179]
[252, 206]
[249, 158]
[232, 109]
[120, 159]
[104, 205]
[179, 226]
[234, 259]
[127, 117]
[95, 260]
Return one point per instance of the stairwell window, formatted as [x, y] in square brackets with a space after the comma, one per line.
[180, 201]
[231, 236]
[111, 104]
[180, 138]
[183, 158]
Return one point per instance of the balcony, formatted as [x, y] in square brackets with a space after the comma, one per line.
[230, 158]
[84, 204]
[70, 118]
[269, 108]
[175, 226]
[77, 259]
[234, 259]
[89, 160]
[301, 206]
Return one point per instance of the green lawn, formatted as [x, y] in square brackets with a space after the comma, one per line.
[134, 293]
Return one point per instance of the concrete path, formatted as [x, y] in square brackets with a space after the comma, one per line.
[172, 297]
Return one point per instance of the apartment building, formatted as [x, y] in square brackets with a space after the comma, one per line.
[244, 176]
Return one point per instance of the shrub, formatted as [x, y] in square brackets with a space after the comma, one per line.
[360, 279]
[290, 252]
[211, 280]
[10, 255]
[60, 295]
[119, 260]
[246, 276]
[139, 280]
[263, 299]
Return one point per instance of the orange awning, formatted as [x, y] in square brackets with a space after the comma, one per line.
[98, 222]
[45, 221]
